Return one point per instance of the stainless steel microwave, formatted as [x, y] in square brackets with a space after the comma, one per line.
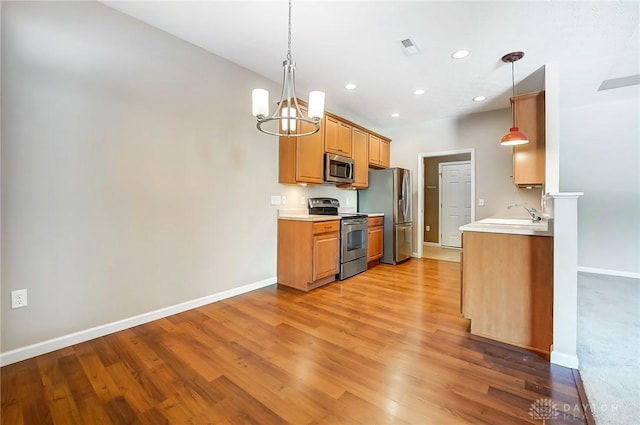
[338, 169]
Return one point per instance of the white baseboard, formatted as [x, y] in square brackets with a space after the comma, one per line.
[564, 359]
[608, 272]
[39, 348]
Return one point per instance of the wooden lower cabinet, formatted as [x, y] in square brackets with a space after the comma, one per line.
[507, 288]
[308, 253]
[375, 247]
[325, 255]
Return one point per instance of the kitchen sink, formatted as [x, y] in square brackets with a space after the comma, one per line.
[510, 221]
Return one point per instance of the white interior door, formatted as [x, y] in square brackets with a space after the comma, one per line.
[455, 201]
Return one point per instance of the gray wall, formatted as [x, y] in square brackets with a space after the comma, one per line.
[600, 156]
[133, 177]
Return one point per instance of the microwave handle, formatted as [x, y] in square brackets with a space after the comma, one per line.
[350, 171]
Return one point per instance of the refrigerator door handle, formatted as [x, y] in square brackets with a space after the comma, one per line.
[405, 197]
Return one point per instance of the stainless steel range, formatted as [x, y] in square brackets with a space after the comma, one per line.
[354, 235]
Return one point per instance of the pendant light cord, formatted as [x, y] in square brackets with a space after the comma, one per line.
[289, 42]
[513, 93]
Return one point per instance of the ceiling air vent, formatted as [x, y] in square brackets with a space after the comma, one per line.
[409, 47]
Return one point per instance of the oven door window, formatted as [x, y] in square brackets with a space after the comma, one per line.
[355, 240]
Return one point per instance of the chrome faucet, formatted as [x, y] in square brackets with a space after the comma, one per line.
[532, 212]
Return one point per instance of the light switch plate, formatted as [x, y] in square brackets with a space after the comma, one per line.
[481, 202]
[276, 200]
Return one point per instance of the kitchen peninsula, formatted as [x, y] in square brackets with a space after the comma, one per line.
[507, 281]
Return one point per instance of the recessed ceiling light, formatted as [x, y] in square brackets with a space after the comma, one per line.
[395, 115]
[479, 98]
[460, 54]
[418, 92]
[350, 86]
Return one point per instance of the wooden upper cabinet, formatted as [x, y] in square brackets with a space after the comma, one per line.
[529, 159]
[301, 158]
[345, 141]
[374, 150]
[385, 153]
[360, 144]
[379, 152]
[337, 136]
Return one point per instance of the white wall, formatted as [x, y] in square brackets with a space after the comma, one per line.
[133, 177]
[600, 156]
[494, 167]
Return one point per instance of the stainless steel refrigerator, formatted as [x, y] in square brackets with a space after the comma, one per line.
[389, 192]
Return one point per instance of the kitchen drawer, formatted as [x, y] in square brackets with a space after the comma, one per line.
[326, 226]
[375, 221]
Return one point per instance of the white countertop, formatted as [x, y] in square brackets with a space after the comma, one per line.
[285, 215]
[511, 225]
[303, 215]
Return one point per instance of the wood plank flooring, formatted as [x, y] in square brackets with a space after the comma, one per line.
[388, 346]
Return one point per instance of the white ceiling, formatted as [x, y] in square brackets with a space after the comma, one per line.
[358, 41]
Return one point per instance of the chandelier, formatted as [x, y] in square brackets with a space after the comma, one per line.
[288, 114]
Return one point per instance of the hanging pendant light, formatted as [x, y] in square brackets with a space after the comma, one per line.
[514, 136]
[288, 114]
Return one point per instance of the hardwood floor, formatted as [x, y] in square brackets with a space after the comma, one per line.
[388, 346]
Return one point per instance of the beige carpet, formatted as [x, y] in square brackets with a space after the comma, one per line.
[609, 347]
[439, 253]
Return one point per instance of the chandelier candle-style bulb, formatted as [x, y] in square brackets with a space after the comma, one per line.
[288, 117]
[316, 104]
[260, 102]
[288, 125]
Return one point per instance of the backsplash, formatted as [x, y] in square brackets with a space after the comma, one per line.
[297, 196]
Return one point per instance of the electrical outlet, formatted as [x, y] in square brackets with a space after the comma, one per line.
[284, 200]
[302, 200]
[428, 228]
[19, 298]
[481, 202]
